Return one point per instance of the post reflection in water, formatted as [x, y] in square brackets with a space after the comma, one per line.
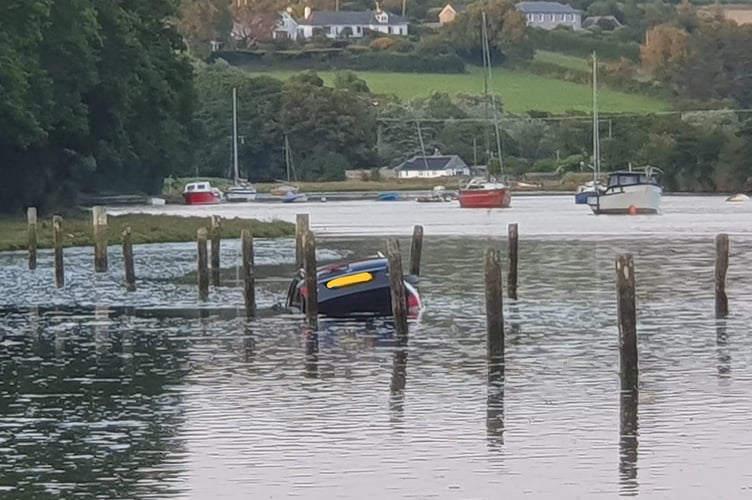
[249, 344]
[495, 404]
[721, 342]
[399, 377]
[311, 337]
[628, 431]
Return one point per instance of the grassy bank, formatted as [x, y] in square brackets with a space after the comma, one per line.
[77, 230]
[174, 188]
[520, 91]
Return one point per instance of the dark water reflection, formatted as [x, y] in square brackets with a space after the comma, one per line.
[148, 395]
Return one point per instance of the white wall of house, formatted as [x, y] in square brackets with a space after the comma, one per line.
[430, 174]
[335, 31]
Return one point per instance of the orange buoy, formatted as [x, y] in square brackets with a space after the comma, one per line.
[632, 210]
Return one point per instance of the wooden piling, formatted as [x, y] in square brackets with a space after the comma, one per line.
[494, 306]
[216, 236]
[31, 217]
[99, 220]
[311, 279]
[513, 256]
[626, 311]
[721, 267]
[57, 240]
[203, 272]
[249, 273]
[302, 226]
[130, 273]
[416, 248]
[397, 286]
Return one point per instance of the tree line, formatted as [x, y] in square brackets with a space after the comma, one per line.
[96, 94]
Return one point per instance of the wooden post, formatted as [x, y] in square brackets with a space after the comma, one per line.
[397, 286]
[513, 255]
[57, 239]
[625, 307]
[99, 219]
[249, 273]
[415, 250]
[721, 267]
[216, 236]
[302, 226]
[31, 217]
[130, 273]
[494, 307]
[203, 272]
[311, 279]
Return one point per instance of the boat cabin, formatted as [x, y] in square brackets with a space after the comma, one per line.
[192, 187]
[634, 177]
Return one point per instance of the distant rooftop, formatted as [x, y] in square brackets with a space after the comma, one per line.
[545, 8]
[343, 17]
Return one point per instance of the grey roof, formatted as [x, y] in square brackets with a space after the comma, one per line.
[436, 162]
[545, 8]
[329, 18]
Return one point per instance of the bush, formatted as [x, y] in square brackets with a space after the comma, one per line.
[584, 43]
[335, 59]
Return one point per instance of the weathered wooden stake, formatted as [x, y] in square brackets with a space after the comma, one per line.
[309, 265]
[31, 217]
[249, 273]
[625, 307]
[494, 307]
[302, 226]
[203, 272]
[57, 240]
[130, 273]
[416, 248]
[513, 255]
[216, 236]
[721, 267]
[99, 219]
[397, 286]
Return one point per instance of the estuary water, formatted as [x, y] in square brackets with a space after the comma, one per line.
[151, 394]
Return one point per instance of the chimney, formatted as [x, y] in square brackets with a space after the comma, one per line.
[307, 12]
[378, 7]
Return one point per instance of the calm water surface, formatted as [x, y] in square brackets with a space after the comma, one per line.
[151, 395]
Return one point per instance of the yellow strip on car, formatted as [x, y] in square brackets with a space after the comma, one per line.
[352, 279]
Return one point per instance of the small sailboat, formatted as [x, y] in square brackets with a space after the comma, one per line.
[594, 187]
[633, 191]
[288, 192]
[487, 193]
[240, 191]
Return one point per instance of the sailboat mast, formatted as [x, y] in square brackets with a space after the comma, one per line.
[596, 138]
[287, 157]
[489, 73]
[235, 134]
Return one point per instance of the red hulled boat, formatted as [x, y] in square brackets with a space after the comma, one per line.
[201, 193]
[479, 193]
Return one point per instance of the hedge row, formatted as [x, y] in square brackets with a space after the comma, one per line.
[584, 43]
[338, 59]
[631, 85]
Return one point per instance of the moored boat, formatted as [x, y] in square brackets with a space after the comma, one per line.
[240, 192]
[391, 196]
[479, 193]
[637, 191]
[737, 198]
[294, 197]
[353, 288]
[201, 193]
[585, 191]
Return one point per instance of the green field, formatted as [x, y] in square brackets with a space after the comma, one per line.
[520, 91]
[563, 60]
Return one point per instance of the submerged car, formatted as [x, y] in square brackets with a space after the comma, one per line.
[353, 288]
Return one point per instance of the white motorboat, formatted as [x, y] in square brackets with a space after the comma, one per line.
[637, 191]
[737, 198]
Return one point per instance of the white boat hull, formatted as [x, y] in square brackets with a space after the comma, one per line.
[645, 198]
[239, 197]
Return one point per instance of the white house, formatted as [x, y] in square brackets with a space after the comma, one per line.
[341, 24]
[550, 15]
[432, 166]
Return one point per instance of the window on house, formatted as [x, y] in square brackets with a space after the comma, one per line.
[540, 18]
[571, 17]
